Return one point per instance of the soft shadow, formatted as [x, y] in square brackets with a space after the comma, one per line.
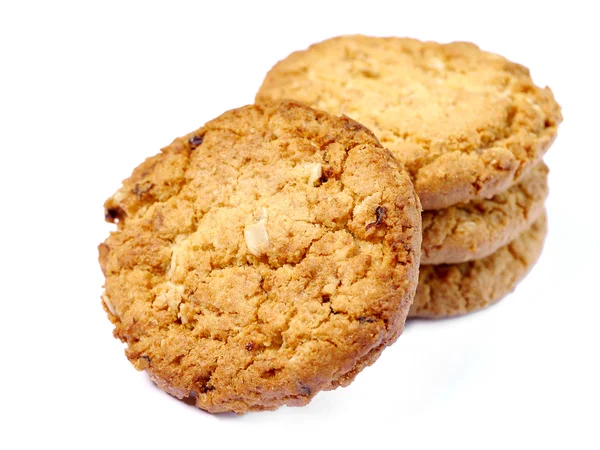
[415, 322]
[190, 402]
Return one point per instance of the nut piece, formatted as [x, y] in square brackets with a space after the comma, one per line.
[171, 296]
[309, 173]
[437, 63]
[314, 173]
[109, 304]
[185, 313]
[257, 239]
[467, 227]
[119, 196]
[173, 262]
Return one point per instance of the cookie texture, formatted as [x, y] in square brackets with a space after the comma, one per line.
[478, 228]
[452, 289]
[271, 254]
[466, 123]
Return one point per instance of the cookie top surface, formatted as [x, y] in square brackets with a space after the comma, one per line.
[262, 258]
[466, 123]
[447, 290]
[478, 228]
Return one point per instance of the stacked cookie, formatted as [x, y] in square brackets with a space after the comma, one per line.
[277, 250]
[470, 127]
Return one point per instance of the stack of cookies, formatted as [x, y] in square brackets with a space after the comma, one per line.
[470, 127]
[278, 250]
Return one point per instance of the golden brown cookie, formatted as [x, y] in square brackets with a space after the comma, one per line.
[478, 228]
[452, 289]
[271, 254]
[466, 123]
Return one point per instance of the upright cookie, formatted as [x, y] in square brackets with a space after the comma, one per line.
[452, 289]
[271, 254]
[466, 123]
[478, 228]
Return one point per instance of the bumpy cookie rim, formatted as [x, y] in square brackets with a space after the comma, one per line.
[477, 229]
[448, 290]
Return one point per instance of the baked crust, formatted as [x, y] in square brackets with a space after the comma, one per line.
[478, 228]
[453, 289]
[467, 124]
[271, 254]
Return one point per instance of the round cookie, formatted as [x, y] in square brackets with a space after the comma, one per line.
[452, 289]
[466, 123]
[271, 254]
[478, 228]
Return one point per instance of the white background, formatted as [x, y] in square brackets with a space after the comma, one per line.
[89, 89]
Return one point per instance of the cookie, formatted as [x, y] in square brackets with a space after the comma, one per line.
[466, 123]
[478, 228]
[269, 255]
[452, 289]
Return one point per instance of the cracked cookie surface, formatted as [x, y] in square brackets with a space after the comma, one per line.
[271, 254]
[453, 289]
[466, 123]
[478, 228]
